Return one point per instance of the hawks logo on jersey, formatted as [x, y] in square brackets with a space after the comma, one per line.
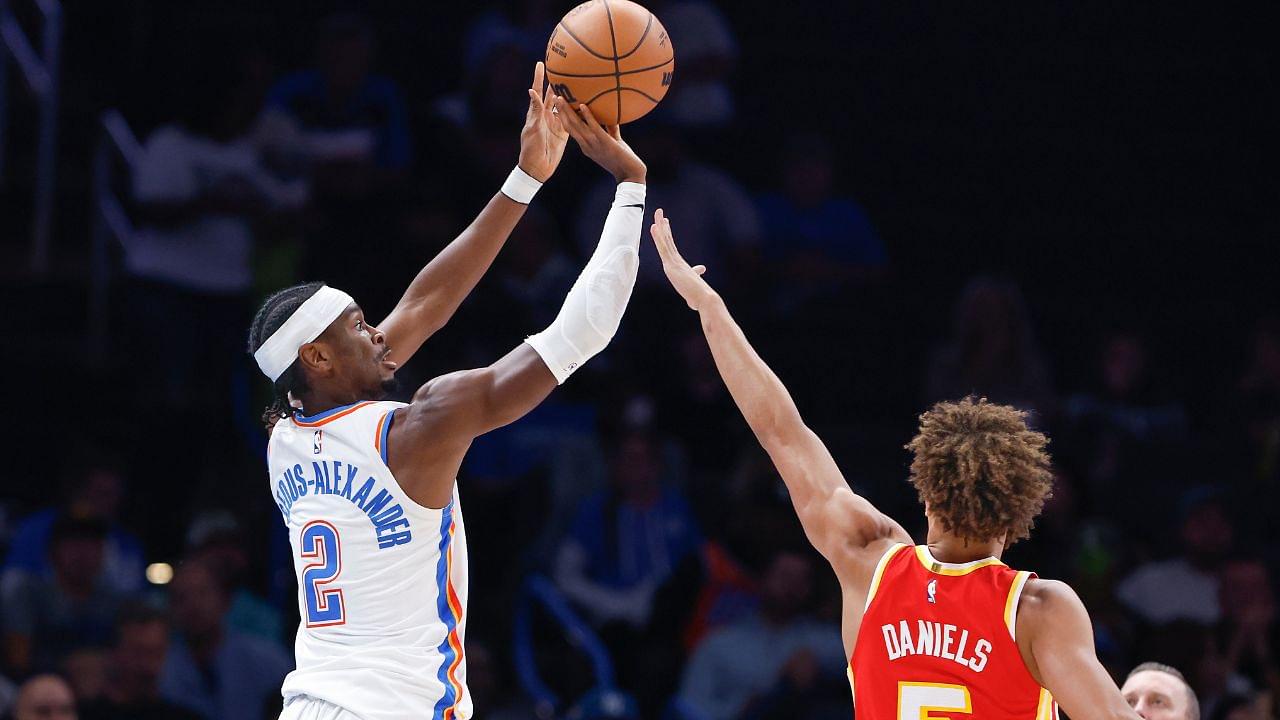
[915, 654]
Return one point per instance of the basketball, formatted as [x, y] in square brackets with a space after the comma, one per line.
[612, 55]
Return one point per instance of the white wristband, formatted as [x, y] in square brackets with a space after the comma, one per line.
[520, 186]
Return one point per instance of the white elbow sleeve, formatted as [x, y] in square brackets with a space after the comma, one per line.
[593, 308]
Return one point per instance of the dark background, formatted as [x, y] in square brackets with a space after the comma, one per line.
[1110, 166]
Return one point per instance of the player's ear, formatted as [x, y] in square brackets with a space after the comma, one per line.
[316, 357]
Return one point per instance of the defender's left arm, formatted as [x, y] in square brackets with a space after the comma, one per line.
[441, 286]
[843, 526]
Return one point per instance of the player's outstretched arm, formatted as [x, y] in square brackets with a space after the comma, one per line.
[842, 525]
[1056, 640]
[441, 286]
[429, 438]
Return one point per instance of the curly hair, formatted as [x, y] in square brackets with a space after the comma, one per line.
[270, 316]
[980, 470]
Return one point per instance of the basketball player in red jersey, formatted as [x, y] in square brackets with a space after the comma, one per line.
[944, 629]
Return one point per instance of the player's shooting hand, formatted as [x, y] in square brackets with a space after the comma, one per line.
[605, 147]
[543, 138]
[685, 279]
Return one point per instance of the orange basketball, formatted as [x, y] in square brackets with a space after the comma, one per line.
[614, 56]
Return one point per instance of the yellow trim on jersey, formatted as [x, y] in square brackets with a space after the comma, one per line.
[953, 569]
[875, 577]
[1046, 710]
[852, 690]
[1011, 604]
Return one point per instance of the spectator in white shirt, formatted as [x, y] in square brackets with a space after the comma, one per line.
[1184, 587]
[751, 666]
[198, 190]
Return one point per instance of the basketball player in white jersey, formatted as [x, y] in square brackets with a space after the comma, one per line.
[367, 487]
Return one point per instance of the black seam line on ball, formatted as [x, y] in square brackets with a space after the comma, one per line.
[620, 90]
[584, 45]
[617, 67]
[624, 72]
[648, 24]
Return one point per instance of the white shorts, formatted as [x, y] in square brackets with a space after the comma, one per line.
[305, 707]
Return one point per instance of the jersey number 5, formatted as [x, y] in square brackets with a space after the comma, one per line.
[916, 701]
[320, 545]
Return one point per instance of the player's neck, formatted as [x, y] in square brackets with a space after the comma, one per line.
[318, 401]
[948, 548]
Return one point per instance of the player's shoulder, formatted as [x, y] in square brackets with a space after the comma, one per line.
[1047, 601]
[1048, 593]
[862, 568]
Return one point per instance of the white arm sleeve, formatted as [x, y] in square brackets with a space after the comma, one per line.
[593, 308]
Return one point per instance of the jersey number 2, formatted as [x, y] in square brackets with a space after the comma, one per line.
[917, 701]
[320, 545]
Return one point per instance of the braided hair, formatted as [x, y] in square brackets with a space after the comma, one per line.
[273, 312]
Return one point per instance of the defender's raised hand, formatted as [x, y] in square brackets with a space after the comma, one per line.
[685, 279]
[605, 147]
[543, 138]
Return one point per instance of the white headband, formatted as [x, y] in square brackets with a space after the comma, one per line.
[304, 325]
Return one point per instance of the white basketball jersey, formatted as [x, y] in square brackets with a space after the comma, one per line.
[382, 581]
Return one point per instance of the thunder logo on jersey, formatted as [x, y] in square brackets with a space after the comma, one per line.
[335, 477]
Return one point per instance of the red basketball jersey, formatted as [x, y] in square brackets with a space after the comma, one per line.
[938, 641]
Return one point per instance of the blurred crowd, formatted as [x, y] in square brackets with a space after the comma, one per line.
[148, 576]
